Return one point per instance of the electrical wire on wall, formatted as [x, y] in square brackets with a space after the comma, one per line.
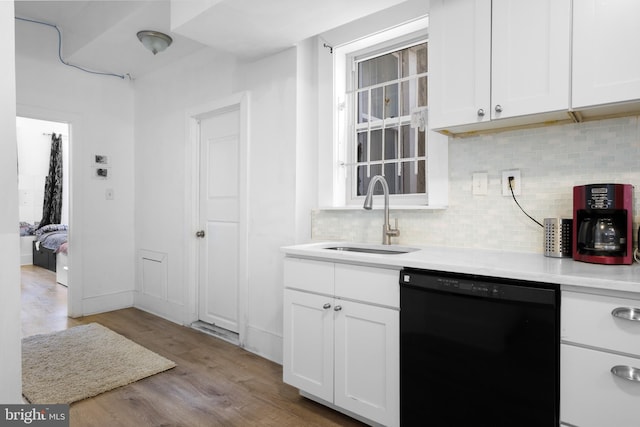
[121, 76]
[515, 200]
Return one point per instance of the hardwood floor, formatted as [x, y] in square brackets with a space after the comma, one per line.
[214, 383]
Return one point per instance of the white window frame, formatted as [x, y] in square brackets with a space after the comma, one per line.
[344, 127]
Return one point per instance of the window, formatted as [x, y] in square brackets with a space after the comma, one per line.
[388, 88]
[380, 86]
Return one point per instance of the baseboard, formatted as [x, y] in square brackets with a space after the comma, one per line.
[104, 303]
[264, 343]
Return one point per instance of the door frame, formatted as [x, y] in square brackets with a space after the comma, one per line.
[192, 203]
[74, 258]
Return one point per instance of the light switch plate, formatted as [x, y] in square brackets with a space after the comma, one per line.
[480, 183]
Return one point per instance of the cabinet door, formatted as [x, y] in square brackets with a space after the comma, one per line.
[530, 57]
[606, 40]
[367, 366]
[590, 395]
[459, 62]
[308, 343]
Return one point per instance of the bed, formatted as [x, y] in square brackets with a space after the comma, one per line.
[50, 240]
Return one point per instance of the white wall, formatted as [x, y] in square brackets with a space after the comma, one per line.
[163, 223]
[10, 326]
[162, 214]
[100, 112]
[551, 159]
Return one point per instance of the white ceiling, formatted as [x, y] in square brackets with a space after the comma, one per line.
[101, 35]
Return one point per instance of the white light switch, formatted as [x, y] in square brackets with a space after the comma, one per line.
[108, 194]
[480, 183]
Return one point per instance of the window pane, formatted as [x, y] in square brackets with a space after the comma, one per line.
[363, 107]
[422, 91]
[408, 142]
[413, 183]
[377, 103]
[375, 145]
[391, 143]
[391, 101]
[414, 60]
[377, 70]
[361, 149]
[363, 180]
[394, 181]
[421, 144]
[406, 97]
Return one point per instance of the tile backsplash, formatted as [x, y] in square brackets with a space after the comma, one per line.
[551, 161]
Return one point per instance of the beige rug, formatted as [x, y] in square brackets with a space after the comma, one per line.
[81, 362]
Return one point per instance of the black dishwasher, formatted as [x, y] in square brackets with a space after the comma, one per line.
[478, 351]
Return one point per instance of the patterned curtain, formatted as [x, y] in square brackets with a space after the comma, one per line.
[52, 209]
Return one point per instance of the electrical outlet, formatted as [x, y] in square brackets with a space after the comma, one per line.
[480, 183]
[516, 183]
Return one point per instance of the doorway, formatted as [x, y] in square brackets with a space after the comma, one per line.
[34, 143]
[220, 153]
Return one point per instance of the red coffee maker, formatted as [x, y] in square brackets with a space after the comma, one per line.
[603, 223]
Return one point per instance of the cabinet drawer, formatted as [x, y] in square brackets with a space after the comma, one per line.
[587, 319]
[368, 284]
[308, 275]
[590, 395]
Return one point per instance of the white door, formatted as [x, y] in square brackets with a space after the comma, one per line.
[308, 343]
[220, 203]
[367, 362]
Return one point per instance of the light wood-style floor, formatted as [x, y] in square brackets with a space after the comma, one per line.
[214, 384]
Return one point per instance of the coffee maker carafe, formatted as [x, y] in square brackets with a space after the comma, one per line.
[602, 217]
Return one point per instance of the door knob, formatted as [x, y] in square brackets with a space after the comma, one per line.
[200, 233]
[337, 308]
[481, 113]
[498, 108]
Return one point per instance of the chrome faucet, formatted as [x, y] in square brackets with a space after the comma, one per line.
[387, 231]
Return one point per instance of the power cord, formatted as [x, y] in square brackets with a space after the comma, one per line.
[60, 51]
[515, 200]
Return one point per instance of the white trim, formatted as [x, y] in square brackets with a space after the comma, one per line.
[192, 157]
[75, 284]
[407, 33]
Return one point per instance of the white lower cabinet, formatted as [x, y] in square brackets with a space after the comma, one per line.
[342, 351]
[594, 341]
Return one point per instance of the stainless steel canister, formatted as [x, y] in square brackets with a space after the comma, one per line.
[557, 237]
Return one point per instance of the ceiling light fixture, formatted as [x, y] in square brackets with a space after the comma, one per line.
[154, 41]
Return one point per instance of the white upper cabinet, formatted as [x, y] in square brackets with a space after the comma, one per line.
[498, 64]
[530, 57]
[459, 62]
[606, 62]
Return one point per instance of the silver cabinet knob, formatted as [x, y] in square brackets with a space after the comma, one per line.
[326, 306]
[200, 233]
[498, 108]
[480, 112]
[627, 313]
[626, 372]
[337, 308]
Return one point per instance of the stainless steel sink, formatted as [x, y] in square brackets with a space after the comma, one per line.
[373, 250]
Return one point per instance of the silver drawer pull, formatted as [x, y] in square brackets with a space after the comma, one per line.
[627, 313]
[326, 306]
[626, 372]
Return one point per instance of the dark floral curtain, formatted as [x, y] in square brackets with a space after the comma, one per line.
[52, 209]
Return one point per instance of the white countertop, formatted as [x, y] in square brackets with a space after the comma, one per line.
[513, 265]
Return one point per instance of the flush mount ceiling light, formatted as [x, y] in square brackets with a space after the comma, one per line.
[154, 40]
